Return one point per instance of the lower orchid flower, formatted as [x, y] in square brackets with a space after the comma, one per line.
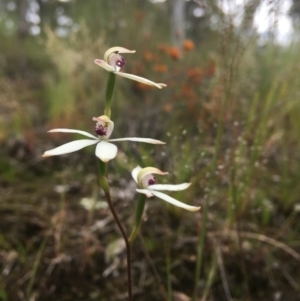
[113, 62]
[105, 150]
[147, 185]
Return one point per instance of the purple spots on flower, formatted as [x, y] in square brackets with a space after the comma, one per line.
[152, 181]
[100, 130]
[116, 60]
[120, 62]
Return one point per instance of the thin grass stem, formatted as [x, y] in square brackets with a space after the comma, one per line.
[202, 233]
[36, 266]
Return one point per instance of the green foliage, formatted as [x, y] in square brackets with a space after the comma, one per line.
[7, 170]
[3, 295]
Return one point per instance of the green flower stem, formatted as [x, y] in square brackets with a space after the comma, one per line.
[138, 216]
[104, 184]
[102, 169]
[109, 92]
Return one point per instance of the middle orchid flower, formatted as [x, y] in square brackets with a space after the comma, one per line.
[105, 151]
[146, 181]
[113, 62]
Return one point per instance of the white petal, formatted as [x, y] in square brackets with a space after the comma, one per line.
[145, 191]
[135, 172]
[69, 147]
[141, 80]
[146, 140]
[170, 187]
[73, 131]
[104, 65]
[173, 201]
[106, 151]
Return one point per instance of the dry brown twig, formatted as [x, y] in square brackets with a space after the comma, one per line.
[259, 237]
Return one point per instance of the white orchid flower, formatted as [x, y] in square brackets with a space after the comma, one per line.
[146, 182]
[105, 150]
[113, 62]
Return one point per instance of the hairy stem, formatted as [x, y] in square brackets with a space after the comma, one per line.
[104, 184]
[128, 250]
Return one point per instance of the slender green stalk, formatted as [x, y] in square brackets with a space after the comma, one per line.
[35, 266]
[102, 168]
[138, 216]
[211, 276]
[104, 184]
[109, 92]
[202, 233]
[236, 205]
[227, 79]
[169, 278]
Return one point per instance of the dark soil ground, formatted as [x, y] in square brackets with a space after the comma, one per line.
[52, 248]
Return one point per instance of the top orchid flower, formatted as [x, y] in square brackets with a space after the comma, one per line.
[113, 62]
[105, 150]
[147, 185]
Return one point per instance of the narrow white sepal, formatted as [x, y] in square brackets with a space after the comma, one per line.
[106, 151]
[145, 140]
[173, 201]
[170, 187]
[139, 79]
[69, 147]
[145, 191]
[135, 172]
[84, 133]
[104, 65]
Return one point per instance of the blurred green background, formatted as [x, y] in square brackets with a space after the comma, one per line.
[231, 119]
